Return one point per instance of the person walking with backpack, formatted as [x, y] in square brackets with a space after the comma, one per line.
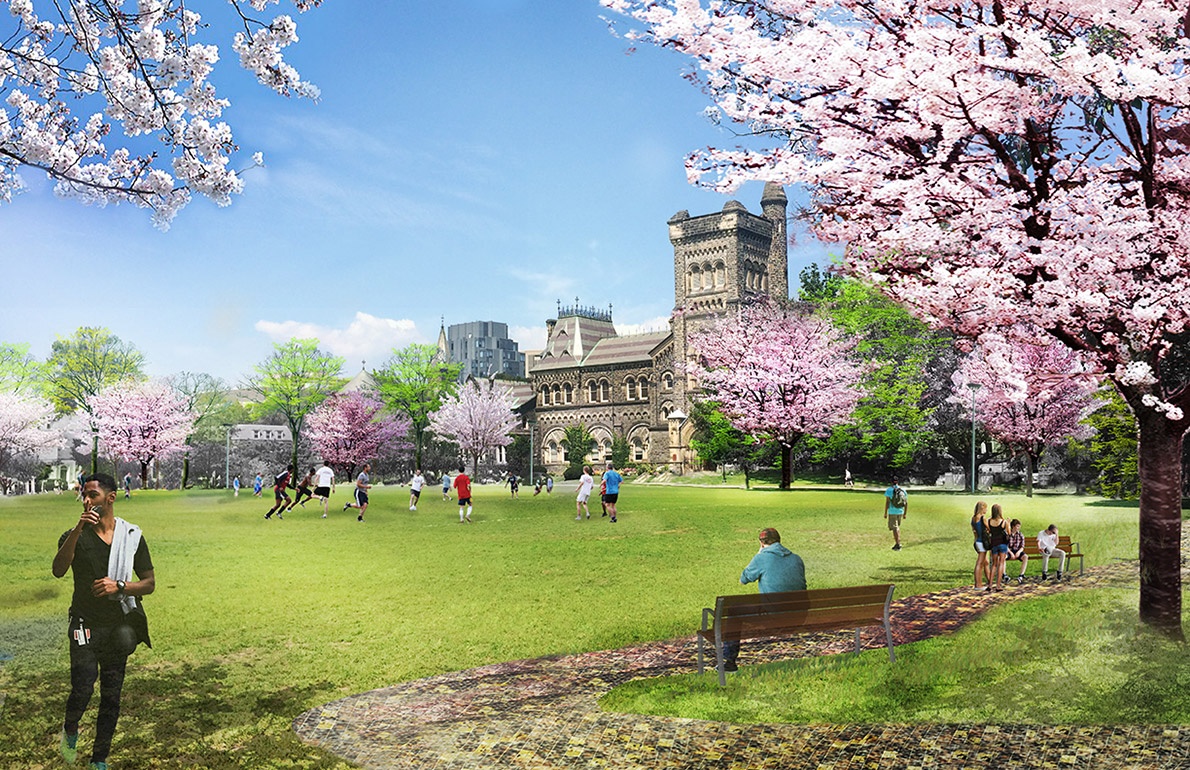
[896, 508]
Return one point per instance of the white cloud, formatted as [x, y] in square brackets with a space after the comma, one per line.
[528, 337]
[658, 324]
[367, 337]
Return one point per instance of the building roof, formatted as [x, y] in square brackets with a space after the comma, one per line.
[363, 381]
[521, 392]
[573, 338]
[636, 348]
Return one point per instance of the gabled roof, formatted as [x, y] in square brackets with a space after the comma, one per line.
[636, 348]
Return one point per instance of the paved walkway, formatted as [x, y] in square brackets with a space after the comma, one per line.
[542, 714]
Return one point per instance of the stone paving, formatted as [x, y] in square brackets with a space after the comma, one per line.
[543, 714]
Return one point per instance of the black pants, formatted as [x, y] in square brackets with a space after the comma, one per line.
[88, 663]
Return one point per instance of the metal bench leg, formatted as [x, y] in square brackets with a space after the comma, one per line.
[700, 654]
[719, 662]
[857, 641]
[888, 635]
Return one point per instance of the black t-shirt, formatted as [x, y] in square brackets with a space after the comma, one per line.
[91, 555]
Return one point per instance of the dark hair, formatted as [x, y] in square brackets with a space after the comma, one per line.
[311, 468]
[768, 536]
[1014, 523]
[289, 467]
[1051, 528]
[105, 482]
[462, 469]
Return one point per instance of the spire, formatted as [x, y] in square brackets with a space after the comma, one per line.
[443, 354]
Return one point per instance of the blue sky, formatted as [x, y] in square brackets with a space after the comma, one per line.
[472, 159]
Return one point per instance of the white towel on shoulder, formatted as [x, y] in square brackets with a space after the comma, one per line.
[125, 541]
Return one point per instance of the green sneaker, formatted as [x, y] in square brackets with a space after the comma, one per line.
[69, 745]
[97, 766]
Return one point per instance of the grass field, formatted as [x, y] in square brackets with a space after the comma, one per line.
[255, 621]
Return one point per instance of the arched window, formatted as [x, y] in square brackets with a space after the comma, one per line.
[720, 274]
[568, 393]
[557, 395]
[592, 391]
[605, 390]
[605, 449]
[667, 381]
[551, 452]
[630, 389]
[642, 389]
[545, 395]
[638, 450]
[695, 279]
[708, 277]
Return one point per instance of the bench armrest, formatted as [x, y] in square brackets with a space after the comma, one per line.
[705, 612]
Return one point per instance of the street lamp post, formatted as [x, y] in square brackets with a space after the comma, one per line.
[532, 448]
[974, 386]
[227, 459]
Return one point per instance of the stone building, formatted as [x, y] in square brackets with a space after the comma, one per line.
[634, 386]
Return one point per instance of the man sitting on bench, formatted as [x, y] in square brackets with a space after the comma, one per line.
[1047, 543]
[778, 569]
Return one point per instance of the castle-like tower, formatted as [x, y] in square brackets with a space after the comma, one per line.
[721, 260]
[634, 387]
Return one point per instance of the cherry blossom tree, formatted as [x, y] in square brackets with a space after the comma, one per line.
[24, 426]
[350, 429]
[478, 418]
[141, 422]
[777, 374]
[985, 164]
[71, 72]
[1038, 397]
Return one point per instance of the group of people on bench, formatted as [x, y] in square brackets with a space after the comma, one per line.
[998, 542]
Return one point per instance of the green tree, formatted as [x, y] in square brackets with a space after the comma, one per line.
[621, 452]
[1114, 447]
[20, 372]
[293, 381]
[204, 396]
[909, 380]
[579, 443]
[518, 456]
[84, 364]
[413, 382]
[717, 441]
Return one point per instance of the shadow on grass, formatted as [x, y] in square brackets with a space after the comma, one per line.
[182, 715]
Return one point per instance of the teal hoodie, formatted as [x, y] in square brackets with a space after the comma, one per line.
[777, 568]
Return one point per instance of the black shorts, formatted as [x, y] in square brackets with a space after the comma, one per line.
[279, 494]
[322, 491]
[611, 497]
[464, 501]
[416, 494]
[361, 497]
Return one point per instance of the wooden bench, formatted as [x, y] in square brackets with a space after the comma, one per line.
[757, 616]
[1073, 551]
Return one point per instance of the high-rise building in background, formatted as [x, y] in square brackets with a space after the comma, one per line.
[484, 349]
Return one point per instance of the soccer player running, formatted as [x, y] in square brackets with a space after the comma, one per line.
[324, 485]
[415, 484]
[303, 488]
[462, 485]
[585, 485]
[361, 492]
[280, 483]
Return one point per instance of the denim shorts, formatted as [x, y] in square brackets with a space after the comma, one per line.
[979, 547]
[1002, 548]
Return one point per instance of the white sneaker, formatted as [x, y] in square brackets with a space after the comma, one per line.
[324, 515]
[413, 508]
[578, 518]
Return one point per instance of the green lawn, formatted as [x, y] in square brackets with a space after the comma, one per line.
[1071, 658]
[254, 621]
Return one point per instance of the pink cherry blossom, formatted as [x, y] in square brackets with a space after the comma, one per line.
[24, 425]
[477, 419]
[70, 79]
[777, 374]
[348, 430]
[141, 422]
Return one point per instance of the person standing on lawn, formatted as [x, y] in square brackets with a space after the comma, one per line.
[258, 485]
[462, 484]
[361, 492]
[775, 568]
[979, 529]
[998, 552]
[235, 484]
[107, 619]
[611, 481]
[445, 487]
[127, 485]
[896, 508]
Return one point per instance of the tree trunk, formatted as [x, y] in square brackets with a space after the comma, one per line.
[786, 465]
[1160, 459]
[144, 474]
[186, 465]
[1028, 473]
